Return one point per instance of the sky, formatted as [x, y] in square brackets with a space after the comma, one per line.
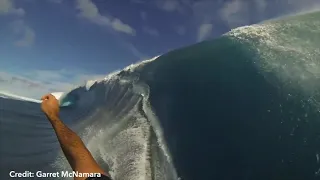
[55, 45]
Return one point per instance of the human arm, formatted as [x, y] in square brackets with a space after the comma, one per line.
[78, 156]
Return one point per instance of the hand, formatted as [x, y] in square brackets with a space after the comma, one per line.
[50, 106]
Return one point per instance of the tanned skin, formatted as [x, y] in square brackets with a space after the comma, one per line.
[78, 156]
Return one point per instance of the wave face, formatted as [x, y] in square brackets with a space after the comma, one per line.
[244, 106]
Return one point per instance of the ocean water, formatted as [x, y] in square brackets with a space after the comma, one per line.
[244, 106]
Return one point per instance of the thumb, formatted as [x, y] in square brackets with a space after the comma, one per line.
[45, 97]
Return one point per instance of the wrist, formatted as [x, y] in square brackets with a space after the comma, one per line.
[53, 117]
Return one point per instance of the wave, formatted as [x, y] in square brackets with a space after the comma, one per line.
[17, 97]
[122, 127]
[243, 106]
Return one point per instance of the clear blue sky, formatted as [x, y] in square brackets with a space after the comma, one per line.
[48, 45]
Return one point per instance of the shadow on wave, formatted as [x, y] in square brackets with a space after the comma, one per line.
[223, 120]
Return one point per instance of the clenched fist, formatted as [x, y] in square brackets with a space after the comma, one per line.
[50, 106]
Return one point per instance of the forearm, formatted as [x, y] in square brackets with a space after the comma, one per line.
[78, 156]
[71, 144]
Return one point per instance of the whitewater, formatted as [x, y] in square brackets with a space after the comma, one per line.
[244, 106]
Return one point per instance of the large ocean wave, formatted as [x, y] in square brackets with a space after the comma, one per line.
[243, 106]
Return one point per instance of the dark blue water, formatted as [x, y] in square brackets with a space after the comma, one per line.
[224, 120]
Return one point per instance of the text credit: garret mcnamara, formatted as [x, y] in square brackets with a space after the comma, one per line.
[28, 174]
